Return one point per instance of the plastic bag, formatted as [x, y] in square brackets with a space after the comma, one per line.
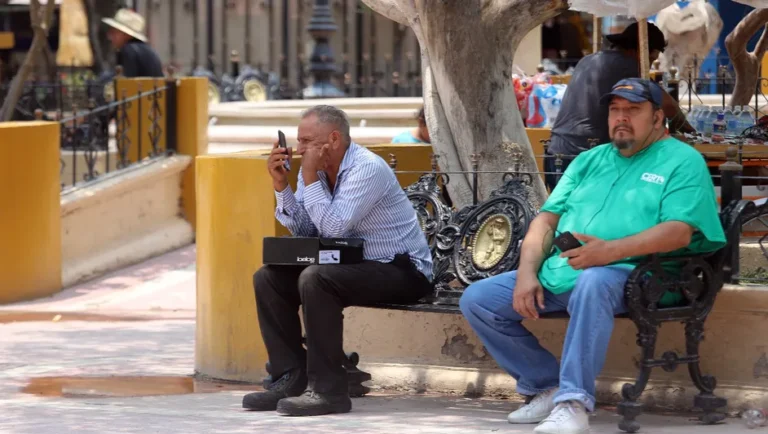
[523, 86]
[544, 105]
[632, 8]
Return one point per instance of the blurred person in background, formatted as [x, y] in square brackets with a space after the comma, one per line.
[126, 33]
[581, 115]
[420, 134]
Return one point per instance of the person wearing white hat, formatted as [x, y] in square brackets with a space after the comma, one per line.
[126, 33]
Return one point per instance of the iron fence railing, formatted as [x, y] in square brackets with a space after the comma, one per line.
[98, 139]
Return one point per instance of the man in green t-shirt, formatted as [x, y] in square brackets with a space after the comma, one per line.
[643, 193]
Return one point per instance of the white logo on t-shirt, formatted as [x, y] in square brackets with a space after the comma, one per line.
[652, 177]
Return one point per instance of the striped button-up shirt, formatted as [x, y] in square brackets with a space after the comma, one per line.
[366, 203]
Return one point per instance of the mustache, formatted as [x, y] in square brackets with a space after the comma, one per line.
[624, 126]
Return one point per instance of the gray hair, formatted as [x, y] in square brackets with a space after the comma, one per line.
[328, 114]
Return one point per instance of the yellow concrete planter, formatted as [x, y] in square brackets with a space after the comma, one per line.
[30, 217]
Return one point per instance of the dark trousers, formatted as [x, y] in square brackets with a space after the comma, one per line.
[324, 291]
[550, 178]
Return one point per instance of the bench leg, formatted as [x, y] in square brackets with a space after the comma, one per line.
[629, 408]
[706, 399]
[355, 376]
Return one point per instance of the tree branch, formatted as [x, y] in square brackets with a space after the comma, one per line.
[40, 24]
[389, 8]
[745, 64]
[762, 44]
[736, 41]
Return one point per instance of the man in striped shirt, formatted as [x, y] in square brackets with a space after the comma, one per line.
[343, 191]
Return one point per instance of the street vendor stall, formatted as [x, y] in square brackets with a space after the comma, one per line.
[751, 141]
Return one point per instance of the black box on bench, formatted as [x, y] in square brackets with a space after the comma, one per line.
[312, 251]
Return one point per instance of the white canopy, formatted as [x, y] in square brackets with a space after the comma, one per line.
[631, 8]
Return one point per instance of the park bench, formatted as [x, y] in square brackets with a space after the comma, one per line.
[484, 239]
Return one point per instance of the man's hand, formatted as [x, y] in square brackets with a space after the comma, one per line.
[594, 253]
[528, 292]
[275, 166]
[315, 158]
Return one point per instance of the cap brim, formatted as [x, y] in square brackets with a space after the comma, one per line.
[631, 97]
[114, 24]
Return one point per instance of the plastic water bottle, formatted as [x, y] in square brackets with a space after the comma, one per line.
[746, 119]
[701, 119]
[709, 122]
[731, 121]
[719, 127]
[754, 418]
[693, 114]
[735, 130]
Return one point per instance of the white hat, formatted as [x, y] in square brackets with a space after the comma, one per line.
[128, 22]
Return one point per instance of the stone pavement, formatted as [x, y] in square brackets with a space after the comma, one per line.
[120, 355]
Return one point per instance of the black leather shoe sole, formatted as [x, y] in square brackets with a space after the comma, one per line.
[289, 408]
[259, 403]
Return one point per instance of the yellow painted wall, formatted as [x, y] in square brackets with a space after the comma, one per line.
[139, 113]
[30, 215]
[235, 211]
[192, 135]
[191, 125]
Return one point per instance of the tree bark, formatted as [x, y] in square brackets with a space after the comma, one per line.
[94, 22]
[41, 23]
[103, 53]
[467, 48]
[746, 64]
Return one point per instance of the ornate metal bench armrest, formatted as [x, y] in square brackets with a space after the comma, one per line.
[693, 277]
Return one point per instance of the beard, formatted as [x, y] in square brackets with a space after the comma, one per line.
[623, 144]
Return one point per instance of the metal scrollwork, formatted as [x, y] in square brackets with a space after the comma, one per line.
[431, 211]
[489, 241]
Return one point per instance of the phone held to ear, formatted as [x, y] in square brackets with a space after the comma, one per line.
[282, 144]
[566, 241]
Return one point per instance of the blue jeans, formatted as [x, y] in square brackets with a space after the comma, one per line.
[597, 297]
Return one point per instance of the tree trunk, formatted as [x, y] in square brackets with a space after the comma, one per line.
[103, 53]
[40, 24]
[94, 23]
[467, 49]
[746, 65]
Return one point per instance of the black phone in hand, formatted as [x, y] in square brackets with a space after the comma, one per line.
[566, 241]
[281, 143]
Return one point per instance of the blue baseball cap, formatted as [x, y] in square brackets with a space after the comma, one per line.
[635, 90]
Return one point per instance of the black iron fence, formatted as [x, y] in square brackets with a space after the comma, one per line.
[98, 139]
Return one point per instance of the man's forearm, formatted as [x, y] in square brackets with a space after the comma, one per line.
[662, 238]
[537, 243]
[674, 113]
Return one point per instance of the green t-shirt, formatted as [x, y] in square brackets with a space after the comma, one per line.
[609, 196]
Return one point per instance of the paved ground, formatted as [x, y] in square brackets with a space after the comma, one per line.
[115, 356]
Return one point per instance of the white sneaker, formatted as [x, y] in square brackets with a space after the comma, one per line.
[535, 411]
[569, 417]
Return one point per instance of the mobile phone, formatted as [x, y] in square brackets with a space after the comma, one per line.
[282, 144]
[566, 241]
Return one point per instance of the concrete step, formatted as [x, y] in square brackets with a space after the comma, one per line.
[374, 112]
[261, 135]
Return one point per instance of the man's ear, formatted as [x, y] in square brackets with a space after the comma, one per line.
[658, 119]
[335, 139]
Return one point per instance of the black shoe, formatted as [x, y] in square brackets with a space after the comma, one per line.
[312, 403]
[292, 383]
